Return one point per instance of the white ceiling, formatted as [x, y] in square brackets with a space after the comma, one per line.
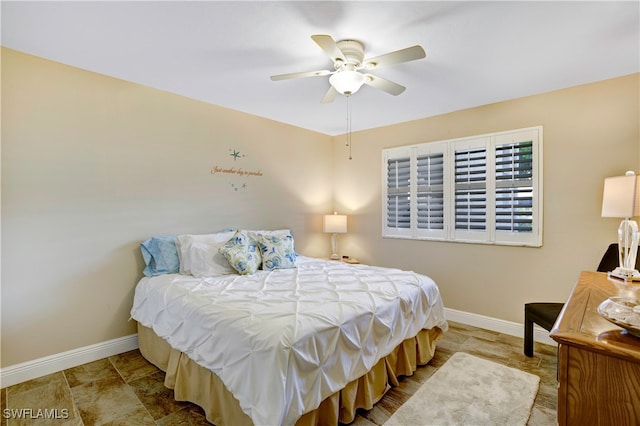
[224, 52]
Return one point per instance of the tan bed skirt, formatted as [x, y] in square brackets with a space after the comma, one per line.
[196, 384]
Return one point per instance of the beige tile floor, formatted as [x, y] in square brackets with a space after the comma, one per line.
[126, 390]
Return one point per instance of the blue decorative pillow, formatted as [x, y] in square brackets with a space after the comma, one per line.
[160, 256]
[277, 251]
[242, 253]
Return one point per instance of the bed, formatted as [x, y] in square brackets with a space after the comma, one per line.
[285, 339]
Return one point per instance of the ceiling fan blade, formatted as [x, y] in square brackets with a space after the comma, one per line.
[329, 96]
[380, 83]
[396, 57]
[328, 44]
[300, 74]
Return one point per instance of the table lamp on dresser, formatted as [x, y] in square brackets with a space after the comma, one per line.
[621, 198]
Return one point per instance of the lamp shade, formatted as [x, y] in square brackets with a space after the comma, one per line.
[621, 196]
[334, 223]
[347, 82]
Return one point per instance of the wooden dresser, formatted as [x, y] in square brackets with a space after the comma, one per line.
[598, 362]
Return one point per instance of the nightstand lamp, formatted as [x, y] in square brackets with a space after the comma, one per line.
[334, 224]
[621, 198]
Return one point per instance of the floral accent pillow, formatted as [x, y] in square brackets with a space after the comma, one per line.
[277, 251]
[242, 253]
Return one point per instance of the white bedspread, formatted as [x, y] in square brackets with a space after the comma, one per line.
[282, 341]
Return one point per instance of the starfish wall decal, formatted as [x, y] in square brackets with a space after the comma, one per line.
[235, 154]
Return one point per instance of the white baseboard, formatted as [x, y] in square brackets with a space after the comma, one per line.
[501, 326]
[22, 372]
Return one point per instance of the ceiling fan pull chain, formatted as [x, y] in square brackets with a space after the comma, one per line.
[349, 125]
[348, 120]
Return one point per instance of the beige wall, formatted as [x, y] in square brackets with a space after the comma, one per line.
[590, 132]
[92, 166]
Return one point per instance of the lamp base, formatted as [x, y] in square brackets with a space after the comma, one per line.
[334, 248]
[625, 274]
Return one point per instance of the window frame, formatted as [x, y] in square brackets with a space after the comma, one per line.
[530, 188]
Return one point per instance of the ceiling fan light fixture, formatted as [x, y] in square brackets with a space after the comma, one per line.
[348, 58]
[347, 82]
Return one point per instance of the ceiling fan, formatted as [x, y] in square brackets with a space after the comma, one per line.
[348, 61]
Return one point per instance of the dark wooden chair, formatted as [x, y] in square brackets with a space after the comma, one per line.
[545, 314]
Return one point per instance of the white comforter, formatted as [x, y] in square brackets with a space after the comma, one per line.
[282, 341]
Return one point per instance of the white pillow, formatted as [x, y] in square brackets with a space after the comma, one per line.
[200, 256]
[282, 233]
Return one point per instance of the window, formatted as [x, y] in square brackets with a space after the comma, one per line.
[398, 178]
[484, 189]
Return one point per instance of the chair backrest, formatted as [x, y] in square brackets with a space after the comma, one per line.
[610, 260]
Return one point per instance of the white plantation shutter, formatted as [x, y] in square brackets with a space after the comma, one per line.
[518, 187]
[430, 191]
[514, 187]
[471, 189]
[484, 189]
[398, 193]
[397, 177]
[472, 206]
